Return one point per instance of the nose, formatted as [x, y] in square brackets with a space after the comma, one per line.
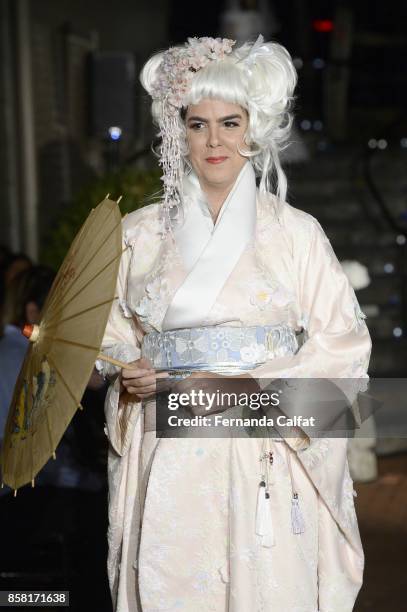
[213, 137]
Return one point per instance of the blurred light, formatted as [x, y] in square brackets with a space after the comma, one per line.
[322, 145]
[298, 63]
[305, 124]
[318, 125]
[397, 332]
[401, 239]
[388, 268]
[318, 63]
[372, 144]
[382, 143]
[323, 25]
[403, 143]
[115, 132]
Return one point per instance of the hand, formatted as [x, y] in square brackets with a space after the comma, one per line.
[139, 380]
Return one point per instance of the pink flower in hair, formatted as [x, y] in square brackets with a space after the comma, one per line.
[175, 73]
[179, 65]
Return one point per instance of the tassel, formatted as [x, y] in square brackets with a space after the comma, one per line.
[264, 522]
[297, 520]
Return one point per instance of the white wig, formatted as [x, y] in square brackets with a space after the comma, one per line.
[261, 78]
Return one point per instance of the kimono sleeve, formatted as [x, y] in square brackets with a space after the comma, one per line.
[121, 341]
[338, 343]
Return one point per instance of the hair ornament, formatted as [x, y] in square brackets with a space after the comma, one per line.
[175, 73]
[256, 50]
[179, 64]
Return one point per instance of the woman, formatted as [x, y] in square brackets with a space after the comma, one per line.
[190, 526]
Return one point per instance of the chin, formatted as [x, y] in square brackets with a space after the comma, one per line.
[219, 178]
[219, 173]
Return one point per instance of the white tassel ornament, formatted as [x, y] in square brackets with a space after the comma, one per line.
[264, 521]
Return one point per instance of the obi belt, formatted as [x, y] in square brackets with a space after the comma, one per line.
[219, 349]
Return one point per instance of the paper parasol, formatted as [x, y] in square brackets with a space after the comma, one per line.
[64, 347]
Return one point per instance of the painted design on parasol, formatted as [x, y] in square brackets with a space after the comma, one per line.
[35, 396]
[63, 347]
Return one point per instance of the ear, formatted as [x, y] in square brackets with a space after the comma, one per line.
[32, 313]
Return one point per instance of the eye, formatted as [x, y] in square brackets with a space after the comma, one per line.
[196, 125]
[231, 124]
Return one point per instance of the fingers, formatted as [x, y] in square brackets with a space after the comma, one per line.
[142, 392]
[138, 380]
[128, 373]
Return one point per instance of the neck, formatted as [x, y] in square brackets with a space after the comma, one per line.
[216, 195]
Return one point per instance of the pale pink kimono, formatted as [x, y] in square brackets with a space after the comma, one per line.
[181, 511]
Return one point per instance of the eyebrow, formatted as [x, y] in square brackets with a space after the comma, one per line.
[227, 118]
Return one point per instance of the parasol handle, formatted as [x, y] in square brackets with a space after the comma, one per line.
[115, 362]
[125, 366]
[32, 332]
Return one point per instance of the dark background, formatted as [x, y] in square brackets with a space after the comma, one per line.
[69, 71]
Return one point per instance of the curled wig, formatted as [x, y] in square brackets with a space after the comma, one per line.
[262, 81]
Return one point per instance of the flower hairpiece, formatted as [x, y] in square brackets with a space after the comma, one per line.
[174, 76]
[180, 64]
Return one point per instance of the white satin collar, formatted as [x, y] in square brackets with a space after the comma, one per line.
[197, 228]
[210, 251]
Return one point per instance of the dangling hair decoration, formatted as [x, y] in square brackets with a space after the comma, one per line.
[174, 76]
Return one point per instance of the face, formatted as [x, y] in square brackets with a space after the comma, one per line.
[215, 132]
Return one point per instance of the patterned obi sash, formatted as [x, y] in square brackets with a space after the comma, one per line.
[219, 348]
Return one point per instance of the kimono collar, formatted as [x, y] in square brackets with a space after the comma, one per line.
[198, 226]
[210, 251]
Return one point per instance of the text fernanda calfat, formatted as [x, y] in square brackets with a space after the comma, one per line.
[217, 420]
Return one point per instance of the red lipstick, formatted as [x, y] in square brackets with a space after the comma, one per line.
[215, 160]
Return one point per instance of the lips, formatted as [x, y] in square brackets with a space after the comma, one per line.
[215, 160]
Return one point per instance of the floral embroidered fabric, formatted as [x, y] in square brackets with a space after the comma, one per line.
[218, 349]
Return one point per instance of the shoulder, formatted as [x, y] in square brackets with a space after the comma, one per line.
[299, 220]
[306, 235]
[145, 214]
[141, 223]
[299, 226]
